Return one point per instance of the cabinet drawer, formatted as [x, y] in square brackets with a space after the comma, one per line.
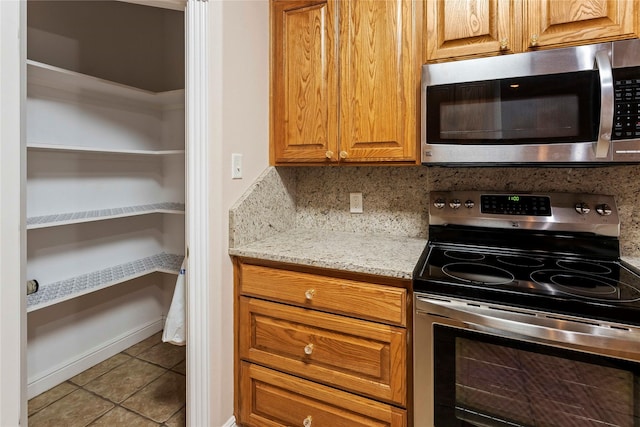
[274, 399]
[355, 355]
[359, 299]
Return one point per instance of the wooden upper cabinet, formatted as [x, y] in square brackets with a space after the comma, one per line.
[378, 80]
[304, 103]
[345, 81]
[458, 28]
[570, 22]
[464, 28]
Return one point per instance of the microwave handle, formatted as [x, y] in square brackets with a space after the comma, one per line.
[603, 64]
[532, 327]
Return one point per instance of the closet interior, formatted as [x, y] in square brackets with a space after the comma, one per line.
[105, 184]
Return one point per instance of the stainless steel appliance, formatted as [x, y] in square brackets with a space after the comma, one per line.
[524, 314]
[578, 105]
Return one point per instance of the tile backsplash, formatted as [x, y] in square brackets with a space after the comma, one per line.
[395, 198]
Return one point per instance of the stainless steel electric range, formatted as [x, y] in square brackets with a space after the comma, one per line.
[524, 313]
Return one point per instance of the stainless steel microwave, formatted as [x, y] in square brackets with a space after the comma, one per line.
[570, 106]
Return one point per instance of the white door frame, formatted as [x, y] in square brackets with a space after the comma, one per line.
[13, 378]
[198, 136]
[13, 402]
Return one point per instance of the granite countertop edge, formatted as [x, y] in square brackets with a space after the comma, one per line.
[376, 254]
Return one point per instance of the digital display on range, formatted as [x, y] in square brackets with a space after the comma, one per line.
[515, 204]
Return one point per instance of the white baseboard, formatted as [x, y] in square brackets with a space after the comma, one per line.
[231, 422]
[70, 368]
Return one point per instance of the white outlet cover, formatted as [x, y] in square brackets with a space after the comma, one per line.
[355, 203]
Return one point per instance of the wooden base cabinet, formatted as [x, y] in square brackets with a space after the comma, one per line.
[304, 359]
[275, 399]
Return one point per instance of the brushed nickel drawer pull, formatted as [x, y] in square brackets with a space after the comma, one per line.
[307, 421]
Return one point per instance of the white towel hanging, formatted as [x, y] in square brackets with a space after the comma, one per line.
[174, 326]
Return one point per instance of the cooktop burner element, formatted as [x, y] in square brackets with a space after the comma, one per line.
[584, 266]
[566, 260]
[480, 274]
[520, 261]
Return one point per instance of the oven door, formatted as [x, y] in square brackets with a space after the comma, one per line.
[478, 365]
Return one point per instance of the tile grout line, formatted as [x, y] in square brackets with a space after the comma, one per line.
[116, 404]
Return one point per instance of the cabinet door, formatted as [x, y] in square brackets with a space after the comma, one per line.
[472, 27]
[303, 80]
[274, 399]
[571, 22]
[379, 74]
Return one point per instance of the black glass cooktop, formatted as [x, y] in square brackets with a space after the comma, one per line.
[587, 287]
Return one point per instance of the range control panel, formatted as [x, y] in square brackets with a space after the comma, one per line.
[592, 213]
[515, 204]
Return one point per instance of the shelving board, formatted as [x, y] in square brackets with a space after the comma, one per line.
[79, 149]
[67, 218]
[83, 85]
[166, 4]
[63, 290]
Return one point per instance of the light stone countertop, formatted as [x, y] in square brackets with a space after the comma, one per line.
[377, 254]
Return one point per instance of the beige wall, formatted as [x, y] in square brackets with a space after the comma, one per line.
[240, 73]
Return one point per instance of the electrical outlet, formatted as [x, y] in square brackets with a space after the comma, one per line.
[355, 202]
[236, 166]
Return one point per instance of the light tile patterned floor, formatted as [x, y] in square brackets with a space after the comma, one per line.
[142, 386]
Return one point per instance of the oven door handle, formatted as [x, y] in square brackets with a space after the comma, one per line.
[531, 326]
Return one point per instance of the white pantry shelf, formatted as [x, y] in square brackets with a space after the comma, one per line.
[89, 87]
[68, 218]
[63, 290]
[80, 149]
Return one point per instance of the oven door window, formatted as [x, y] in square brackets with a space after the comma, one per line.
[483, 380]
[539, 109]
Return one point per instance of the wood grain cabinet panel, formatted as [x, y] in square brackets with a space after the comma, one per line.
[304, 97]
[356, 355]
[275, 399]
[345, 81]
[459, 28]
[316, 349]
[379, 63]
[568, 22]
[467, 28]
[358, 299]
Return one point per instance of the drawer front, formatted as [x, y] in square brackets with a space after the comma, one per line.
[359, 299]
[274, 399]
[356, 355]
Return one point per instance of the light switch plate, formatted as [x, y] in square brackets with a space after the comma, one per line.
[236, 166]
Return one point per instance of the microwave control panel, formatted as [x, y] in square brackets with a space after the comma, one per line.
[626, 118]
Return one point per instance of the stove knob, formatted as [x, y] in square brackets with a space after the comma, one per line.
[455, 203]
[439, 203]
[469, 204]
[603, 209]
[582, 208]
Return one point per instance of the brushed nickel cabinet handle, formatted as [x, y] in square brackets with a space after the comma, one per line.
[307, 421]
